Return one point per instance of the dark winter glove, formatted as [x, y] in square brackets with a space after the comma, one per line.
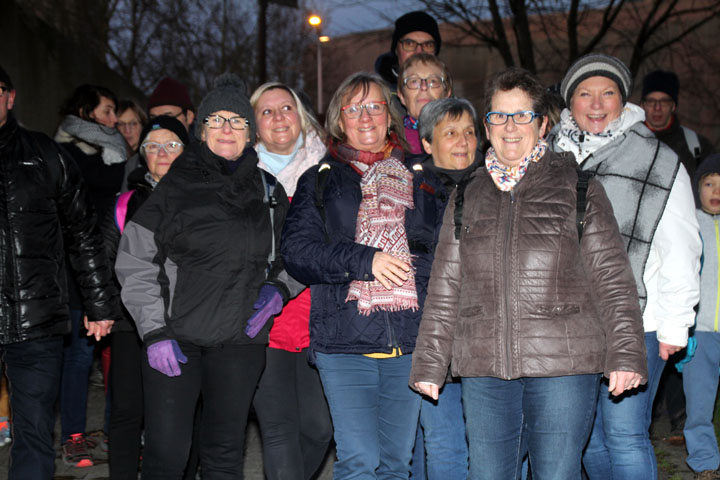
[164, 356]
[269, 303]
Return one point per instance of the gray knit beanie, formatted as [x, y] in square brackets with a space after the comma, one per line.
[593, 65]
[229, 94]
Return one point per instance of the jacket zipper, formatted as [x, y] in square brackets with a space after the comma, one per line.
[390, 334]
[506, 286]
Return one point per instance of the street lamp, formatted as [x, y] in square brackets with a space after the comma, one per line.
[315, 21]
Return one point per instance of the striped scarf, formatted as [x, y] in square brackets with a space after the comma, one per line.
[387, 191]
[506, 178]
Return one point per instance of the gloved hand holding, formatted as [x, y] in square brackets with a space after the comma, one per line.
[269, 303]
[164, 356]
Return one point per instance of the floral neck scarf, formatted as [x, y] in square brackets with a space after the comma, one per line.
[506, 178]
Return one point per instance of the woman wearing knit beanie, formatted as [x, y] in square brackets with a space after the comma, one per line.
[653, 204]
[197, 263]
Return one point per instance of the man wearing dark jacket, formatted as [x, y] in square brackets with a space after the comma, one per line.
[44, 213]
[659, 100]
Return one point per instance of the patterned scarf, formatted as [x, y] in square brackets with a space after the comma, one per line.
[583, 144]
[506, 178]
[387, 191]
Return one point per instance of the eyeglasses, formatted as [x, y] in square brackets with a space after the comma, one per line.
[433, 81]
[130, 124]
[217, 121]
[654, 102]
[519, 118]
[167, 114]
[169, 147]
[409, 45]
[355, 110]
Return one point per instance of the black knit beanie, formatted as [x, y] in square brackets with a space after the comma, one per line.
[709, 165]
[416, 22]
[5, 78]
[164, 122]
[661, 81]
[597, 65]
[229, 94]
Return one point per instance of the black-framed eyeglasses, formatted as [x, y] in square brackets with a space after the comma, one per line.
[218, 121]
[433, 81]
[519, 118]
[169, 147]
[654, 102]
[354, 110]
[409, 45]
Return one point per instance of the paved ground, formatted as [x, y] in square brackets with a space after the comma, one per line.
[671, 458]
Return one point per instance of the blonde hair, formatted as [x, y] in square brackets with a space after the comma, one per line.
[307, 119]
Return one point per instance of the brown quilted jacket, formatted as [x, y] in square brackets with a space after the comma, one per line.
[519, 296]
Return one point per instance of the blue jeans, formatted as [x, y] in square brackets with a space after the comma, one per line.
[441, 437]
[78, 352]
[33, 370]
[700, 382]
[619, 446]
[547, 418]
[374, 413]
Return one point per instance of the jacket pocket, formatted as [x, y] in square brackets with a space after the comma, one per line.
[557, 310]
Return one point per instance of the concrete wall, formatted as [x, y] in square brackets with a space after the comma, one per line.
[45, 67]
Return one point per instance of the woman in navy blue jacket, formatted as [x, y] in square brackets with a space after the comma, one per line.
[361, 232]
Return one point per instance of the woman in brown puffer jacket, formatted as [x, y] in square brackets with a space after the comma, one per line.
[527, 314]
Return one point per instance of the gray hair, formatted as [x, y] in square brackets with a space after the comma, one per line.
[436, 111]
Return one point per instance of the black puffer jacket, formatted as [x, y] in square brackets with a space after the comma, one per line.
[193, 258]
[44, 212]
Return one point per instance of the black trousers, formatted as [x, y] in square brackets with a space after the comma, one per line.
[226, 376]
[126, 411]
[293, 414]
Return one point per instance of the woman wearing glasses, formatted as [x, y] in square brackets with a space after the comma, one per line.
[422, 79]
[160, 143]
[522, 309]
[360, 232]
[196, 268]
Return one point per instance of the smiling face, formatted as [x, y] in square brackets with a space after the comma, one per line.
[159, 163]
[104, 113]
[596, 102]
[367, 132]
[414, 100]
[454, 142]
[512, 143]
[278, 121]
[710, 193]
[225, 141]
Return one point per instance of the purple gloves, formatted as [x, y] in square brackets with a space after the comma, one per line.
[269, 303]
[164, 356]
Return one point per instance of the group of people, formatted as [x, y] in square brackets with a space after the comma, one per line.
[440, 308]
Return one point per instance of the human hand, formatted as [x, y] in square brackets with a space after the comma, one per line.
[99, 328]
[388, 270]
[164, 356]
[666, 350]
[269, 303]
[428, 389]
[621, 381]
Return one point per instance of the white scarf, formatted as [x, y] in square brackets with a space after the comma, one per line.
[583, 144]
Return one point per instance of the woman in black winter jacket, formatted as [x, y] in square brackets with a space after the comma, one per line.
[160, 143]
[192, 262]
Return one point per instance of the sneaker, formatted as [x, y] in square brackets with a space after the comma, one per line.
[75, 452]
[4, 431]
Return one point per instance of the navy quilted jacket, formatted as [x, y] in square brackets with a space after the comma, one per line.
[329, 263]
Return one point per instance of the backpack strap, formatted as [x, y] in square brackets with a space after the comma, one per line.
[269, 184]
[581, 201]
[320, 182]
[121, 207]
[693, 142]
